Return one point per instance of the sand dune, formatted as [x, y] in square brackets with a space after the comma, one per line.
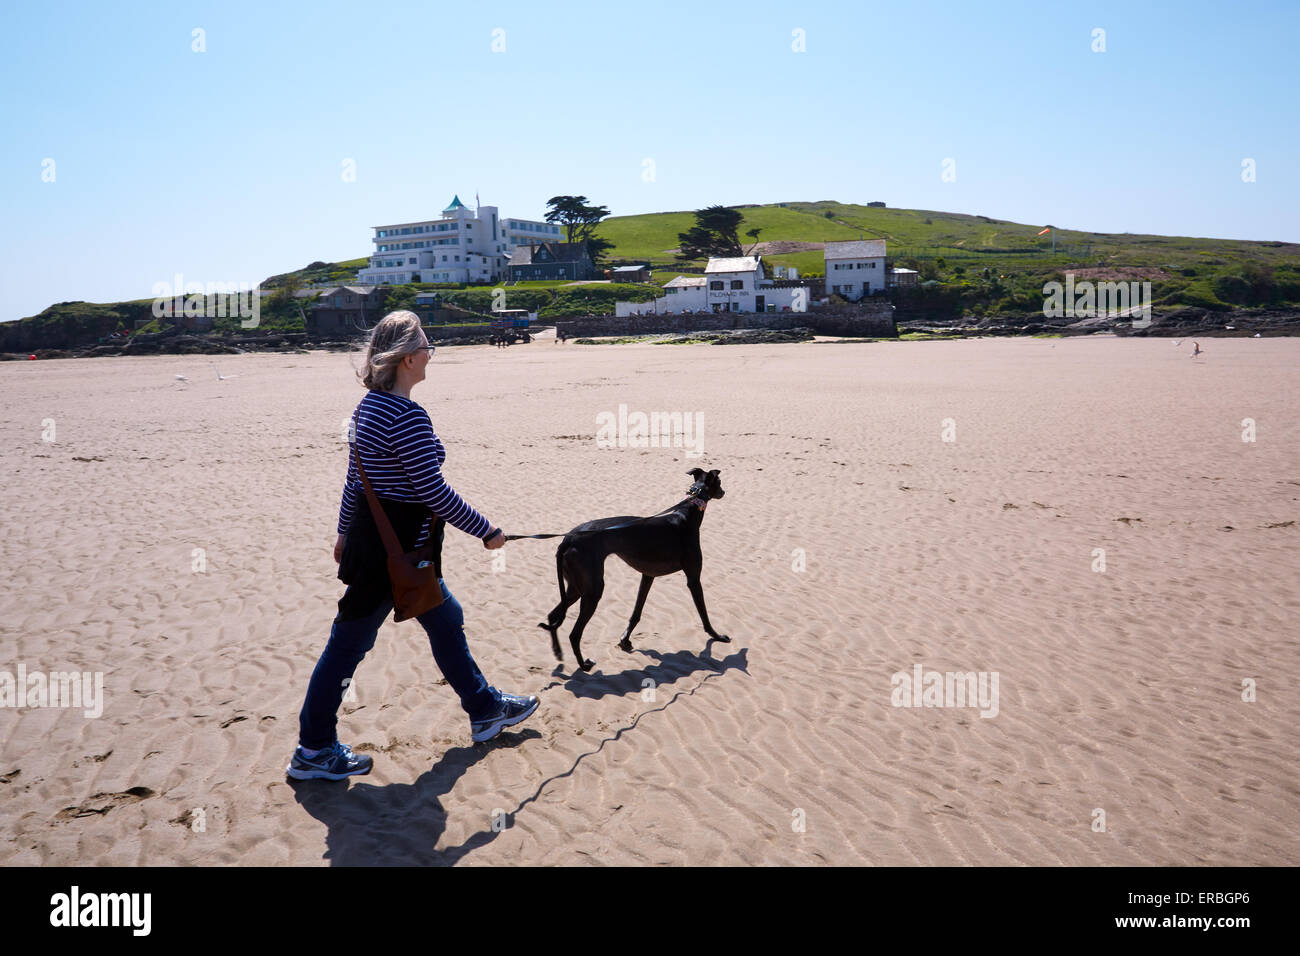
[854, 542]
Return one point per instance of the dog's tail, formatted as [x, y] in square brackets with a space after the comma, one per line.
[559, 568]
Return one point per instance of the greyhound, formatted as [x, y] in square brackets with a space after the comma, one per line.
[661, 544]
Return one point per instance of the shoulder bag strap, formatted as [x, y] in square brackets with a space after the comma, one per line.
[386, 532]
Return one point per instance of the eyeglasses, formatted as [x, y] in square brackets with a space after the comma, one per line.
[429, 348]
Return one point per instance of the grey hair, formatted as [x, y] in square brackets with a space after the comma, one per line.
[393, 338]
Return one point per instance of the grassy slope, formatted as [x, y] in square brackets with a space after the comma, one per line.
[974, 242]
[970, 241]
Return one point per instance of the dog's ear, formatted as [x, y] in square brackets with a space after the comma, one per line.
[696, 473]
[713, 473]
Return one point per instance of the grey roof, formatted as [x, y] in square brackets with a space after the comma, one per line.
[686, 282]
[560, 252]
[629, 268]
[357, 289]
[738, 264]
[855, 249]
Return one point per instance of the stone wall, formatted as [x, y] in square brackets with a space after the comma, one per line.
[871, 320]
[435, 332]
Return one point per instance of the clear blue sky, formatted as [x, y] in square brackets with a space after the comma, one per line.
[226, 165]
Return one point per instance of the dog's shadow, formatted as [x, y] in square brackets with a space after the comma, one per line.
[666, 669]
[398, 824]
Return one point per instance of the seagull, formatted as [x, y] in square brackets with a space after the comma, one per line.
[220, 377]
[1231, 328]
[1256, 335]
[1176, 341]
[181, 378]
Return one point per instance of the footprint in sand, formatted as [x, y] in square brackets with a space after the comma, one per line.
[110, 802]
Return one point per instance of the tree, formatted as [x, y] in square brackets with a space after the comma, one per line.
[753, 234]
[580, 221]
[714, 234]
[578, 218]
[597, 248]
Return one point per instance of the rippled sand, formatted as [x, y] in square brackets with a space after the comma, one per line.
[854, 542]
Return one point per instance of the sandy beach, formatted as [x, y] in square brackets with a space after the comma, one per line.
[1077, 521]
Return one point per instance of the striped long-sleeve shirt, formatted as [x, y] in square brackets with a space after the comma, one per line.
[403, 460]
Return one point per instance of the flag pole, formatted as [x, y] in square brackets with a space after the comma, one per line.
[1052, 230]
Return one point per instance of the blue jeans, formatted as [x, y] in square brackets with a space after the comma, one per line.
[351, 640]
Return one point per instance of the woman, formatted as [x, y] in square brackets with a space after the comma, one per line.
[402, 457]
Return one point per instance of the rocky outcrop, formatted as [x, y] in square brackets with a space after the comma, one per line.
[1174, 323]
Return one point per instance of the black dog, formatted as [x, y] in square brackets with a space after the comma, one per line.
[661, 544]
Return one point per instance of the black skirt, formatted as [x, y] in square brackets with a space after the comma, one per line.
[363, 566]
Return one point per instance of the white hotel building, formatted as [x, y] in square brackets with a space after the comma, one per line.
[463, 245]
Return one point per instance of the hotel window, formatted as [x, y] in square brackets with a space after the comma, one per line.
[738, 283]
[717, 285]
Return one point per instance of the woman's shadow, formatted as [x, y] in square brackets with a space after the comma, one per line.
[399, 824]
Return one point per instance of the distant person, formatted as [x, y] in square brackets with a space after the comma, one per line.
[1196, 349]
[403, 459]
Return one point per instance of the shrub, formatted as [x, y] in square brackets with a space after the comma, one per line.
[1196, 296]
[1232, 288]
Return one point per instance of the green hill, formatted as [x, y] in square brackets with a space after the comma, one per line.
[972, 265]
[991, 263]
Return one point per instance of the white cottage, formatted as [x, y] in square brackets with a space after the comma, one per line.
[728, 285]
[855, 268]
